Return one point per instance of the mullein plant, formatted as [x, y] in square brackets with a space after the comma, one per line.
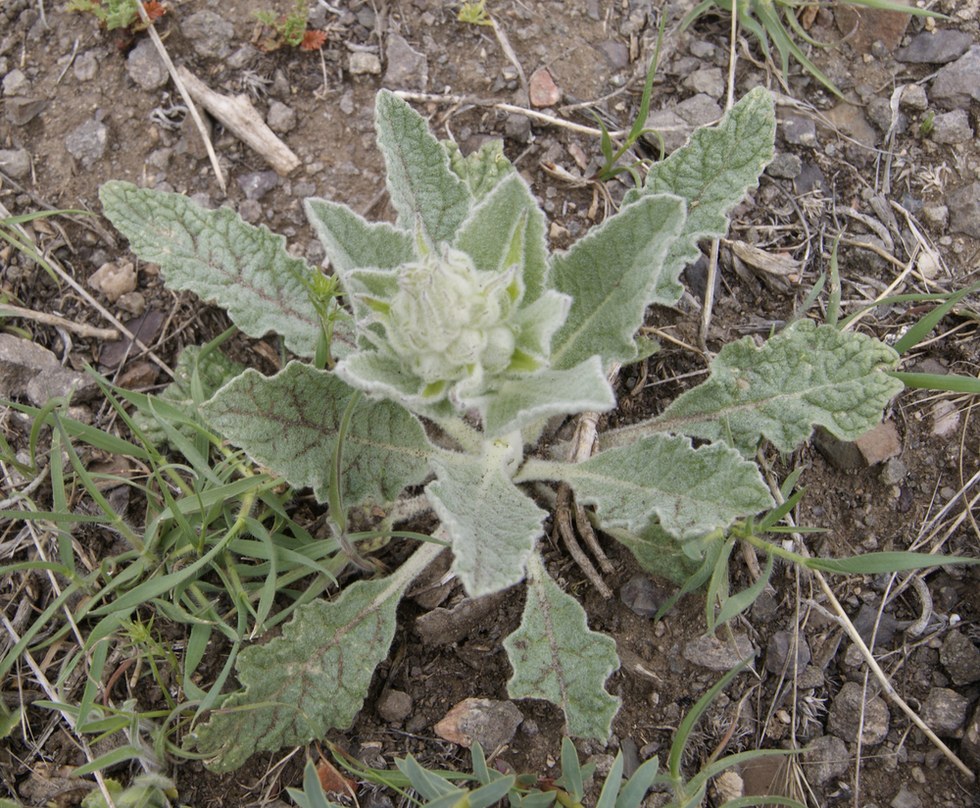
[459, 337]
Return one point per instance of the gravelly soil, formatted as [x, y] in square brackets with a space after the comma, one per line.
[892, 166]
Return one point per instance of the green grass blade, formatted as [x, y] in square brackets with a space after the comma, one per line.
[951, 382]
[921, 329]
[741, 601]
[877, 563]
[687, 724]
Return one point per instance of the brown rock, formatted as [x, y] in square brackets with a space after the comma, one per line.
[395, 706]
[862, 27]
[489, 723]
[542, 89]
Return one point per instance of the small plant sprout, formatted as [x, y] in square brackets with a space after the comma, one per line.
[460, 342]
[279, 30]
[116, 14]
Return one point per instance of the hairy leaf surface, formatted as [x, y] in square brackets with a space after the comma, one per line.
[610, 274]
[508, 227]
[421, 184]
[350, 241]
[657, 552]
[555, 656]
[492, 523]
[713, 171]
[213, 253]
[289, 423]
[520, 401]
[690, 491]
[311, 679]
[803, 377]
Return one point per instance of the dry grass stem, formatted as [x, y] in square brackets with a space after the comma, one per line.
[82, 329]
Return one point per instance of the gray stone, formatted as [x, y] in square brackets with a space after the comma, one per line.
[281, 118]
[22, 110]
[395, 706]
[616, 53]
[256, 184]
[778, 654]
[936, 215]
[15, 83]
[708, 80]
[243, 58]
[964, 210]
[718, 655]
[798, 130]
[209, 33]
[670, 126]
[847, 710]
[702, 49]
[87, 142]
[958, 83]
[961, 658]
[970, 742]
[145, 67]
[250, 210]
[893, 471]
[30, 370]
[15, 163]
[786, 166]
[952, 127]
[489, 723]
[906, 798]
[363, 63]
[518, 127]
[699, 110]
[86, 66]
[824, 759]
[407, 68]
[944, 710]
[914, 97]
[642, 596]
[935, 47]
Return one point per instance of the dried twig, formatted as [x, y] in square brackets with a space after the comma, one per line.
[84, 330]
[425, 98]
[174, 74]
[238, 115]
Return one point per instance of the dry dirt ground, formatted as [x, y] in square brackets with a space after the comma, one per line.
[79, 108]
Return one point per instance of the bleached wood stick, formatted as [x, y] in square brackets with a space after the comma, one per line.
[238, 115]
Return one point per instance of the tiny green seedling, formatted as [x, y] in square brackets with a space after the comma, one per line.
[119, 14]
[290, 30]
[462, 340]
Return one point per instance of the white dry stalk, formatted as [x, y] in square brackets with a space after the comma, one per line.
[172, 69]
[887, 687]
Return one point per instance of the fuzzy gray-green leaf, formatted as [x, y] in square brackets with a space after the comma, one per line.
[311, 679]
[509, 216]
[421, 184]
[519, 401]
[493, 525]
[289, 423]
[712, 173]
[690, 491]
[803, 377]
[556, 657]
[213, 253]
[351, 241]
[610, 275]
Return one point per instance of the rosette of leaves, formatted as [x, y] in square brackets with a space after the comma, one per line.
[461, 336]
